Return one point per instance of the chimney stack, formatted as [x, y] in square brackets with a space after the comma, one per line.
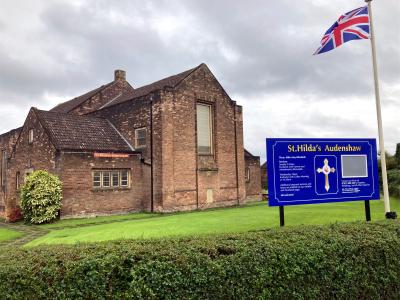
[119, 75]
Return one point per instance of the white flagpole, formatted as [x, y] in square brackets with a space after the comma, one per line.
[379, 113]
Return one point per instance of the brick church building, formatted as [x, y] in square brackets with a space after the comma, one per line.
[175, 144]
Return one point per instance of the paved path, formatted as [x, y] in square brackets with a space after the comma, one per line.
[29, 233]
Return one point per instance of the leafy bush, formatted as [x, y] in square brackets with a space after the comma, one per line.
[393, 172]
[346, 261]
[41, 197]
[394, 182]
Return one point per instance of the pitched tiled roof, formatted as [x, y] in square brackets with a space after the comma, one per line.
[71, 104]
[171, 81]
[71, 132]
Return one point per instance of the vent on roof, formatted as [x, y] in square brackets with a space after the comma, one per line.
[119, 75]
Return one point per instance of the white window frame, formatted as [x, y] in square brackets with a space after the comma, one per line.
[127, 178]
[137, 130]
[102, 179]
[111, 182]
[97, 181]
[211, 126]
[112, 173]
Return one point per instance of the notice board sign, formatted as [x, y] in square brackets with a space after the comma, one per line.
[306, 171]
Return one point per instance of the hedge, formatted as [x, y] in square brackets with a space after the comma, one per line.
[342, 261]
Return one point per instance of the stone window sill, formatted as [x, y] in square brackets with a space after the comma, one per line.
[111, 189]
[208, 169]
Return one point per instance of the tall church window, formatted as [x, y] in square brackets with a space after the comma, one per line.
[30, 134]
[204, 129]
[247, 175]
[3, 167]
[17, 180]
[140, 138]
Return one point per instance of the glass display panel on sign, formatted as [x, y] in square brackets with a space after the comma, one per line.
[354, 166]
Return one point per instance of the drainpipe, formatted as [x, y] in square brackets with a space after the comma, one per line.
[236, 156]
[151, 156]
[197, 155]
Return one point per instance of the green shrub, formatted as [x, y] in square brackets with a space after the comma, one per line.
[41, 197]
[346, 261]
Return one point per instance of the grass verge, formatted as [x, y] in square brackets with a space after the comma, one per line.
[253, 217]
[8, 234]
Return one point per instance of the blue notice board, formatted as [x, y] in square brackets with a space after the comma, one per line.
[306, 171]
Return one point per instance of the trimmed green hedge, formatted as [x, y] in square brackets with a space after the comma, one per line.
[344, 261]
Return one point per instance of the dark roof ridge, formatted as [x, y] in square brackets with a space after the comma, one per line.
[75, 102]
[156, 86]
[66, 114]
[11, 130]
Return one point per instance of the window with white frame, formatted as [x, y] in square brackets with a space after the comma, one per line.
[140, 138]
[30, 136]
[105, 179]
[204, 129]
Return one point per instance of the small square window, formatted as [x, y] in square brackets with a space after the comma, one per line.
[30, 137]
[140, 137]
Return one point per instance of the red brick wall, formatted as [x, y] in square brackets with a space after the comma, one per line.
[264, 177]
[38, 155]
[218, 175]
[127, 117]
[253, 186]
[177, 184]
[81, 199]
[7, 141]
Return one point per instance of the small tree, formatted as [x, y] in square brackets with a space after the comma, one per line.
[41, 197]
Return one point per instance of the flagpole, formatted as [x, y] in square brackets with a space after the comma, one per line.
[379, 117]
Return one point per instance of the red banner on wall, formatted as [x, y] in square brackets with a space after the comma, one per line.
[111, 155]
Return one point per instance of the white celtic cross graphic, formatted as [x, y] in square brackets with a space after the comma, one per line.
[326, 169]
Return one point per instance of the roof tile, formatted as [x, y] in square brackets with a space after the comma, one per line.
[71, 132]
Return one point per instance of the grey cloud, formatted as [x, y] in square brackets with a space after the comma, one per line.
[258, 50]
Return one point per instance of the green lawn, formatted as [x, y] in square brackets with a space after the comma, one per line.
[96, 220]
[253, 216]
[8, 234]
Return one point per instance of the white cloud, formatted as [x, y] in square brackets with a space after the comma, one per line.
[261, 51]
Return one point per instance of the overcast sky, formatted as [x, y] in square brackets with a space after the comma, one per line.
[260, 51]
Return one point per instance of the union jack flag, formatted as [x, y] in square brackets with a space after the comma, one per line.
[353, 25]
